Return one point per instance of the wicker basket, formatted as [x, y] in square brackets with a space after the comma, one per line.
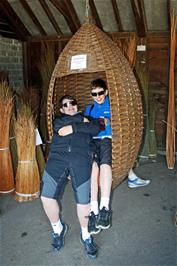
[104, 60]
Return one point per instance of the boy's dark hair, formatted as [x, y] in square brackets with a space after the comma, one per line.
[68, 97]
[98, 83]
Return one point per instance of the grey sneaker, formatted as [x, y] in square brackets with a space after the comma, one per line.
[93, 230]
[90, 247]
[104, 219]
[59, 240]
[138, 182]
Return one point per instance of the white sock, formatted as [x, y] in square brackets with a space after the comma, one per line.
[132, 175]
[57, 227]
[104, 203]
[94, 207]
[85, 233]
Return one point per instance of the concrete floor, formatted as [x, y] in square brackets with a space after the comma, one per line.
[142, 233]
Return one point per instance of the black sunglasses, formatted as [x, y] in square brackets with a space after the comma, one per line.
[94, 94]
[73, 103]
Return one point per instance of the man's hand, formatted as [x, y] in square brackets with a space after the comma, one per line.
[66, 130]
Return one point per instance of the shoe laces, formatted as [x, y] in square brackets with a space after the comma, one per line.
[90, 244]
[55, 235]
[104, 213]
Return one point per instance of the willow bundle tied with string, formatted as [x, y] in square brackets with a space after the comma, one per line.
[30, 97]
[6, 169]
[27, 175]
[170, 135]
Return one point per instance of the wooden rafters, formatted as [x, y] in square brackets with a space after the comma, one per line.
[14, 21]
[72, 13]
[140, 18]
[95, 14]
[50, 16]
[32, 16]
[60, 5]
[116, 14]
[5, 28]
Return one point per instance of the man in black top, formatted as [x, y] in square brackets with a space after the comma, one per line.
[71, 155]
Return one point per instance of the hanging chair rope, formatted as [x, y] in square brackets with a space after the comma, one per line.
[88, 17]
[87, 9]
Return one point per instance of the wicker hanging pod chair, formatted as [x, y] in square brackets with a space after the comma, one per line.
[103, 60]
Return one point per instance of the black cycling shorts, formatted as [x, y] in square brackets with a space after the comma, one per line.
[75, 165]
[103, 153]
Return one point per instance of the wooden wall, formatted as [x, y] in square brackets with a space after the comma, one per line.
[158, 59]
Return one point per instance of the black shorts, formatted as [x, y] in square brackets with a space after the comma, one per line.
[78, 167]
[103, 151]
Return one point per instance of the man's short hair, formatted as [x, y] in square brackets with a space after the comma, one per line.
[68, 97]
[98, 83]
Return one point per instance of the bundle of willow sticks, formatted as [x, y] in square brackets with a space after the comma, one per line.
[27, 175]
[6, 169]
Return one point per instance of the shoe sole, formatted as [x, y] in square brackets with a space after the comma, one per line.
[92, 257]
[136, 186]
[65, 232]
[103, 227]
[95, 232]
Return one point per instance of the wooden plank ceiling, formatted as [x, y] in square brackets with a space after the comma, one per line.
[45, 19]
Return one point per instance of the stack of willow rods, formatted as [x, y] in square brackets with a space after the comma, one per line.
[142, 74]
[27, 175]
[30, 97]
[6, 170]
[45, 66]
[170, 136]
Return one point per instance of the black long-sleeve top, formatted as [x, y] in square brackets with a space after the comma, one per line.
[81, 137]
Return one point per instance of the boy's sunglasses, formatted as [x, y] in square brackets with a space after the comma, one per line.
[94, 94]
[73, 103]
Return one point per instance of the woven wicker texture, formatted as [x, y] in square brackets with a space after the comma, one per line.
[104, 60]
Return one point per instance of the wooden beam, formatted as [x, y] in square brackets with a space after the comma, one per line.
[14, 21]
[62, 9]
[72, 13]
[140, 18]
[63, 38]
[5, 28]
[116, 14]
[50, 16]
[95, 14]
[32, 16]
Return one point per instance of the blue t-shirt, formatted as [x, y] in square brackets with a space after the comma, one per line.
[101, 111]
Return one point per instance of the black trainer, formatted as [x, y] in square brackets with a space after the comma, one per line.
[59, 240]
[90, 247]
[104, 219]
[92, 224]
